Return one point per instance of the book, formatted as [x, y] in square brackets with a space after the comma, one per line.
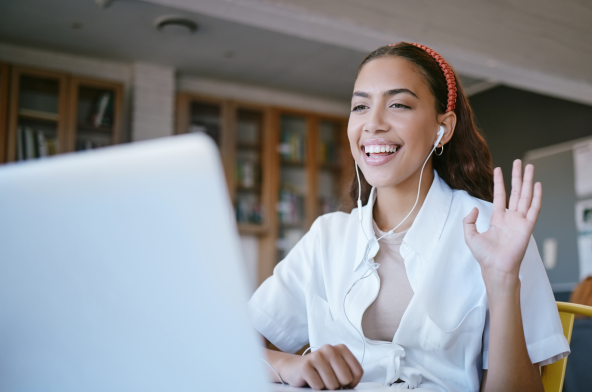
[29, 144]
[20, 144]
[99, 116]
[41, 145]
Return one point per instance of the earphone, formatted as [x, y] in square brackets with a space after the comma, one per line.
[372, 267]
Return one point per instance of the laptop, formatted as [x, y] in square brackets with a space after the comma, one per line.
[120, 270]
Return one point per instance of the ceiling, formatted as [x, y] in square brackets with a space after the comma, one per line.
[543, 46]
[221, 49]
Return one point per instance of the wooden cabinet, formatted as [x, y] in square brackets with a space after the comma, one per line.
[38, 114]
[283, 167]
[313, 168]
[96, 114]
[4, 82]
[52, 113]
[240, 131]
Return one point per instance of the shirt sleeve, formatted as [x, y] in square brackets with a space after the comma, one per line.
[278, 308]
[542, 327]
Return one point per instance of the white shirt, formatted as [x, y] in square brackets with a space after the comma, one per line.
[442, 341]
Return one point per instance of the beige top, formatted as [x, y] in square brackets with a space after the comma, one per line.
[381, 320]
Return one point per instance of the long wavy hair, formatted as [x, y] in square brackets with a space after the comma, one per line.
[465, 163]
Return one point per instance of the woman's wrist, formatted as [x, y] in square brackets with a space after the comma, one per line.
[501, 284]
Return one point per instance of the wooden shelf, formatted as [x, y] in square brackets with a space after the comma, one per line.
[291, 225]
[251, 228]
[331, 166]
[293, 163]
[38, 115]
[90, 127]
[250, 189]
[248, 146]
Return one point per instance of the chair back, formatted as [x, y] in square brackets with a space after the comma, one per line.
[554, 373]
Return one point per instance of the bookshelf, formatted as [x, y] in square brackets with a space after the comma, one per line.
[196, 113]
[240, 131]
[309, 179]
[279, 180]
[292, 203]
[332, 165]
[250, 195]
[51, 113]
[96, 108]
[4, 80]
[38, 111]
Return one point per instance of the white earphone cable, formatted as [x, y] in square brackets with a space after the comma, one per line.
[271, 367]
[372, 267]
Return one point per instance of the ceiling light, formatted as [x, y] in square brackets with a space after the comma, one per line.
[175, 25]
[103, 3]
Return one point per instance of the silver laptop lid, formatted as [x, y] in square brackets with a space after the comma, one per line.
[120, 271]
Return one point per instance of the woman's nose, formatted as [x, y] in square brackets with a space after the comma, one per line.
[376, 122]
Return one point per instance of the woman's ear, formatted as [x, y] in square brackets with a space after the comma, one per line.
[448, 121]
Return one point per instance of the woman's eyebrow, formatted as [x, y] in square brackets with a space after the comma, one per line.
[399, 91]
[361, 94]
[387, 93]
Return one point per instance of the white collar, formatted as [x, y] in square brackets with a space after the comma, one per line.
[426, 229]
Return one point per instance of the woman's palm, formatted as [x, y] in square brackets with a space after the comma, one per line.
[503, 245]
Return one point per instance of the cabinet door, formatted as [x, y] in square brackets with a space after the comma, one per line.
[251, 158]
[38, 111]
[332, 165]
[293, 181]
[212, 117]
[95, 112]
[4, 70]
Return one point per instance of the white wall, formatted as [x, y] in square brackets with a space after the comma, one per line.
[261, 95]
[153, 101]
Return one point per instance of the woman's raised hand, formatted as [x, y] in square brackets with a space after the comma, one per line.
[501, 248]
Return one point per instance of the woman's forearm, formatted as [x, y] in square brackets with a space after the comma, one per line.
[510, 367]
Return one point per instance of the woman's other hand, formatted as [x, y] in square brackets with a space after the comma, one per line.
[501, 248]
[330, 367]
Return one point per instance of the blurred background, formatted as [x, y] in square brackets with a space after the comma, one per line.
[270, 81]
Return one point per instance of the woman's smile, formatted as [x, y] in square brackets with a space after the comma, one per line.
[377, 152]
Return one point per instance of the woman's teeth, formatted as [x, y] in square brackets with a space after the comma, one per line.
[378, 149]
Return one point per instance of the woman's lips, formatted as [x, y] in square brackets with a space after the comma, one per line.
[380, 158]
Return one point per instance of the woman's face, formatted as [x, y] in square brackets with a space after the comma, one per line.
[393, 123]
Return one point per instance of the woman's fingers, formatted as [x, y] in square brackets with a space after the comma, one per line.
[354, 365]
[332, 367]
[312, 377]
[516, 185]
[526, 195]
[535, 207]
[322, 365]
[342, 370]
[469, 224]
[499, 191]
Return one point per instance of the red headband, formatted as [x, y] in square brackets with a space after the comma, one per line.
[448, 74]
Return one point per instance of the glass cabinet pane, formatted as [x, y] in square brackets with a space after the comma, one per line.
[95, 118]
[329, 160]
[38, 95]
[38, 116]
[292, 191]
[205, 117]
[248, 207]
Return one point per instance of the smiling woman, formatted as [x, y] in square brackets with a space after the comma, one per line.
[427, 285]
[465, 163]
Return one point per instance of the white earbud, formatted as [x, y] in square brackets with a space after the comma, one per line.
[440, 135]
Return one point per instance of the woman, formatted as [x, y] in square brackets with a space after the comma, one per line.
[453, 295]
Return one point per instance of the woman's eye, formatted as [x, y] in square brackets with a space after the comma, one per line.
[399, 106]
[359, 107]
